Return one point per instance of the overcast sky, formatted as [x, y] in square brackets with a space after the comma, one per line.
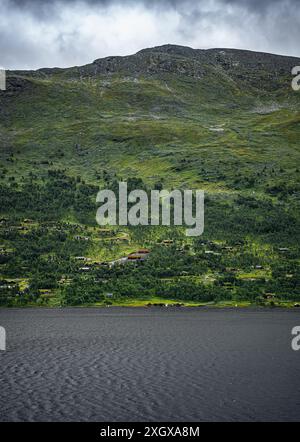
[44, 33]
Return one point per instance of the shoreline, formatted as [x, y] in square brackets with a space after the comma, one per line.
[284, 306]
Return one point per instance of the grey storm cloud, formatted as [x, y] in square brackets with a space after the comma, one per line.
[256, 5]
[38, 33]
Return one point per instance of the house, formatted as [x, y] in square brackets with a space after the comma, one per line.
[81, 238]
[140, 255]
[283, 249]
[135, 257]
[125, 240]
[65, 281]
[227, 249]
[269, 296]
[167, 242]
[143, 251]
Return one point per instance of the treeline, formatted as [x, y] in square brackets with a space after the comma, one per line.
[50, 198]
[242, 233]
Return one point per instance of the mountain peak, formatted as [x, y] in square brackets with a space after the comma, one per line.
[170, 49]
[260, 70]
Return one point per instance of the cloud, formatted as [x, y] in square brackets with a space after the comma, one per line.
[38, 33]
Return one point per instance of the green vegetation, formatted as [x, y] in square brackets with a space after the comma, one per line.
[230, 131]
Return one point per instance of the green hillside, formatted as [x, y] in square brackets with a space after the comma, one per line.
[226, 121]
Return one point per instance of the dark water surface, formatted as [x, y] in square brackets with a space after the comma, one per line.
[149, 365]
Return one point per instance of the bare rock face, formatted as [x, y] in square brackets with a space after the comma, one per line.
[182, 60]
[258, 72]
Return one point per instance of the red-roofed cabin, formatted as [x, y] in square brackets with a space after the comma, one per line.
[135, 258]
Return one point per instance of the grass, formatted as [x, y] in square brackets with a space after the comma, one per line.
[142, 303]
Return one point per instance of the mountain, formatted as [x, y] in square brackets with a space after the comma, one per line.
[152, 110]
[222, 120]
[184, 61]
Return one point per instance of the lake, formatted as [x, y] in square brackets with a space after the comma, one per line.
[148, 365]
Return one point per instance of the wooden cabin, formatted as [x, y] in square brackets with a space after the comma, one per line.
[81, 238]
[143, 252]
[135, 258]
[167, 242]
[269, 296]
